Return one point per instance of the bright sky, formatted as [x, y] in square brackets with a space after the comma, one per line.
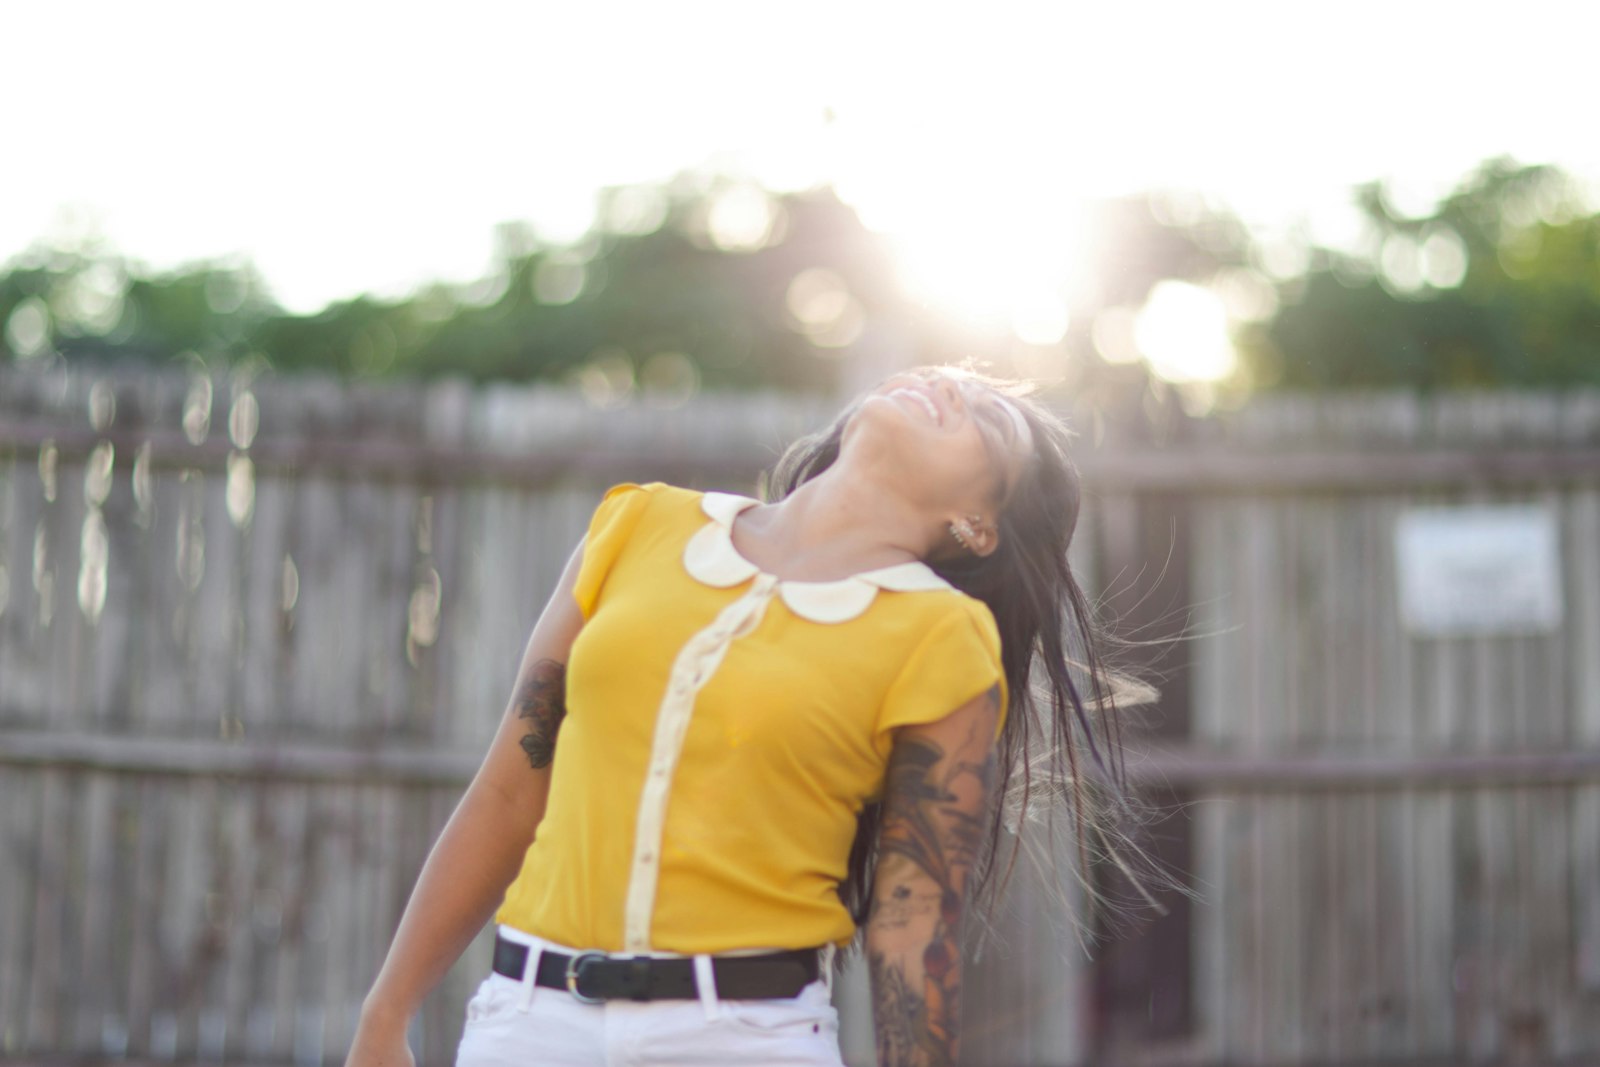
[354, 146]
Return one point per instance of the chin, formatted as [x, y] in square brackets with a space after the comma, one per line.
[885, 420]
[902, 452]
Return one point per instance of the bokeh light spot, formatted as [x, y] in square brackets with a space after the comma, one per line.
[28, 329]
[1247, 295]
[290, 585]
[94, 558]
[1282, 258]
[197, 409]
[1444, 258]
[44, 576]
[92, 300]
[816, 298]
[244, 419]
[144, 497]
[102, 404]
[1410, 199]
[559, 279]
[824, 309]
[49, 457]
[741, 219]
[97, 473]
[633, 210]
[606, 380]
[1112, 334]
[669, 379]
[240, 493]
[1400, 264]
[1040, 319]
[1182, 330]
[422, 614]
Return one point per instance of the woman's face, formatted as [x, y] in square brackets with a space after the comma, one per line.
[959, 432]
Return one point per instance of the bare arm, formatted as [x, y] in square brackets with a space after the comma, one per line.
[480, 849]
[937, 792]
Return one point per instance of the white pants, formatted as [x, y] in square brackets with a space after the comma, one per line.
[513, 1023]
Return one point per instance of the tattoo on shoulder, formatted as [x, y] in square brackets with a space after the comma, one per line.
[542, 700]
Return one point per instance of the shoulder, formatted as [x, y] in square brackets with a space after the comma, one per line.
[631, 509]
[976, 613]
[954, 659]
[947, 613]
[628, 515]
[631, 500]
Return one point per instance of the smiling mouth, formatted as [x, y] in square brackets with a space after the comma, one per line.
[921, 398]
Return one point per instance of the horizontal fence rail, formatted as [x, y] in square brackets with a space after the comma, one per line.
[1204, 468]
[1187, 768]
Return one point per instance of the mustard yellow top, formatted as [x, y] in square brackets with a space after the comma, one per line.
[723, 731]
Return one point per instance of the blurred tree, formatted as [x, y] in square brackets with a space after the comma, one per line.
[1500, 285]
[696, 289]
[711, 281]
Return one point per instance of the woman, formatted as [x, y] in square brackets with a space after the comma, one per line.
[789, 722]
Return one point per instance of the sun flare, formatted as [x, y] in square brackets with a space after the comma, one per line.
[986, 254]
[1182, 332]
[997, 269]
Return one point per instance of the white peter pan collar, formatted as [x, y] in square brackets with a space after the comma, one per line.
[711, 557]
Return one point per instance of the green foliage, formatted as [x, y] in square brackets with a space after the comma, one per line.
[1498, 286]
[656, 302]
[1525, 311]
[546, 313]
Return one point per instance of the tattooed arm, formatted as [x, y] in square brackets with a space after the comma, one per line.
[935, 797]
[481, 848]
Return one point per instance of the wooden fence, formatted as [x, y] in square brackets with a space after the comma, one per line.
[254, 635]
[1404, 862]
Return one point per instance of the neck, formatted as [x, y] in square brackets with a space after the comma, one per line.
[854, 509]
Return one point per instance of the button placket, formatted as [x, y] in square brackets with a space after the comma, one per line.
[696, 663]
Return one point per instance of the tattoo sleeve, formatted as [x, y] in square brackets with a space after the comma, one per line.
[542, 700]
[935, 795]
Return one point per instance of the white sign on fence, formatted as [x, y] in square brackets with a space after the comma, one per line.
[1479, 570]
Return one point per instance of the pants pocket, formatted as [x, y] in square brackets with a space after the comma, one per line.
[491, 1000]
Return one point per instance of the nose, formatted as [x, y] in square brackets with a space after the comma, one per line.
[950, 392]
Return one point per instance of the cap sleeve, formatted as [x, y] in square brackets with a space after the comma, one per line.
[609, 529]
[958, 660]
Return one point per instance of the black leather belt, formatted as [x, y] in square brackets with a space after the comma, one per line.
[593, 977]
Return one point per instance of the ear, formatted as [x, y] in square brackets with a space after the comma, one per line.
[985, 535]
[976, 535]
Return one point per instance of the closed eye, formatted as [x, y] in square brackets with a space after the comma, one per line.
[992, 429]
[997, 419]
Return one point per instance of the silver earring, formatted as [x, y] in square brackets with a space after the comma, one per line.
[964, 534]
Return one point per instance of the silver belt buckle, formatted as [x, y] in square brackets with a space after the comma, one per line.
[574, 965]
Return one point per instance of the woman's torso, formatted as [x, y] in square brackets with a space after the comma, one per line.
[724, 730]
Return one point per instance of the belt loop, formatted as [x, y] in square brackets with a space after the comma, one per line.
[825, 965]
[530, 975]
[705, 983]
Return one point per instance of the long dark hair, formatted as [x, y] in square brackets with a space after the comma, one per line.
[1062, 735]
